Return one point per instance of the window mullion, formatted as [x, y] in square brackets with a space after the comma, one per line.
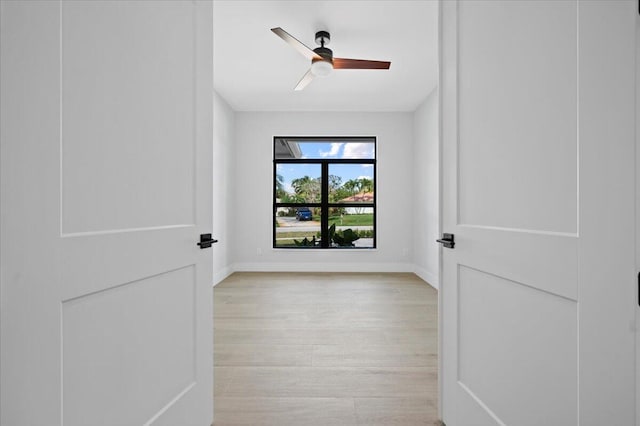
[324, 209]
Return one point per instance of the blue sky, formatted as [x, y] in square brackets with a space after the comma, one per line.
[327, 150]
[337, 149]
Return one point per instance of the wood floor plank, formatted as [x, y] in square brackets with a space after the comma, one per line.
[396, 411]
[302, 321]
[323, 382]
[418, 336]
[262, 355]
[351, 355]
[412, 311]
[235, 310]
[301, 336]
[222, 376]
[325, 349]
[285, 412]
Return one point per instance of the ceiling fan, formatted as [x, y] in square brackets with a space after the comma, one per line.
[322, 60]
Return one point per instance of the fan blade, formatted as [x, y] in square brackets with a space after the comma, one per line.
[359, 64]
[305, 80]
[295, 43]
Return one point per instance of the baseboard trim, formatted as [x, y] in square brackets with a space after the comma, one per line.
[429, 277]
[223, 273]
[323, 267]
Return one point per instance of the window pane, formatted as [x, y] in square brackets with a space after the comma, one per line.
[291, 148]
[353, 229]
[351, 183]
[298, 183]
[298, 227]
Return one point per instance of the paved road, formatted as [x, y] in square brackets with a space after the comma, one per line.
[317, 228]
[290, 224]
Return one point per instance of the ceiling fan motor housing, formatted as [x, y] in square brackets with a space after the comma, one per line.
[323, 65]
[325, 54]
[322, 38]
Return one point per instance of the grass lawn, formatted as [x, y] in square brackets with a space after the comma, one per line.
[352, 220]
[285, 239]
[297, 235]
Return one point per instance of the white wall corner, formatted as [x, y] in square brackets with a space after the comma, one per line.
[219, 276]
[431, 278]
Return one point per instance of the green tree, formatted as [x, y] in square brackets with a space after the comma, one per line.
[336, 193]
[366, 185]
[357, 186]
[307, 189]
[334, 182]
[280, 192]
[351, 186]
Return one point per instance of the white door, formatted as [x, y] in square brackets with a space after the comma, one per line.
[106, 131]
[538, 188]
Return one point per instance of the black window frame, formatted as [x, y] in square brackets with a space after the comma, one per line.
[324, 203]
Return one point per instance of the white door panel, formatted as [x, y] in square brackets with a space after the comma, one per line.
[127, 93]
[493, 357]
[537, 141]
[516, 255]
[129, 348]
[532, 185]
[106, 186]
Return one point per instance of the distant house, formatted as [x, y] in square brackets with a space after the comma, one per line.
[363, 197]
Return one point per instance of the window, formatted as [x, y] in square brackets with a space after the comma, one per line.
[324, 192]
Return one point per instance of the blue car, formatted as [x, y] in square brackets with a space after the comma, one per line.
[304, 213]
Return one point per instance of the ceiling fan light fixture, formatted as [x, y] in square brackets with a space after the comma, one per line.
[321, 68]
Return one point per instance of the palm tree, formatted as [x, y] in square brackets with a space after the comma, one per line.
[366, 185]
[352, 186]
[280, 192]
[307, 188]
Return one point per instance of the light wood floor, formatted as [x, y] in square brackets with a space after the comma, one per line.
[325, 349]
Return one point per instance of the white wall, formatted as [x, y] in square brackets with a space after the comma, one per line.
[223, 186]
[426, 177]
[252, 234]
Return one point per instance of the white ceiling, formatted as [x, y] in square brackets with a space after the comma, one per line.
[254, 70]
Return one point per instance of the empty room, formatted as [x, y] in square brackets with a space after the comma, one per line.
[341, 332]
[319, 212]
